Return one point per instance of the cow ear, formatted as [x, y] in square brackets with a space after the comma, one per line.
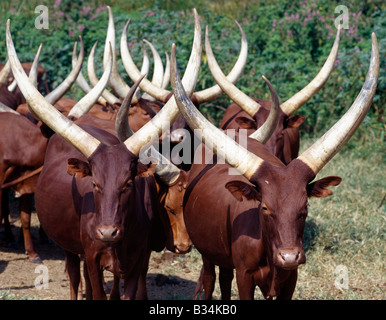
[295, 121]
[241, 189]
[78, 168]
[246, 123]
[319, 188]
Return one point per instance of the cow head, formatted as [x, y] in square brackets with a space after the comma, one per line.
[171, 201]
[283, 194]
[112, 197]
[171, 182]
[282, 191]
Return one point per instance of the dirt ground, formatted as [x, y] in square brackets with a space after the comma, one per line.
[18, 274]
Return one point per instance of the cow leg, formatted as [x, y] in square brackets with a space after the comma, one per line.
[87, 282]
[245, 284]
[4, 213]
[95, 275]
[25, 217]
[115, 292]
[208, 278]
[132, 280]
[225, 278]
[4, 173]
[142, 290]
[287, 288]
[73, 270]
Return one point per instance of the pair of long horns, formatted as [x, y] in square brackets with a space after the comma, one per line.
[288, 107]
[315, 157]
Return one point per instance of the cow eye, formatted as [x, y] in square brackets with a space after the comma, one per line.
[303, 216]
[265, 209]
[127, 185]
[95, 186]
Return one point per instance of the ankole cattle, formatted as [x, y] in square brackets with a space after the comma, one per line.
[95, 210]
[254, 222]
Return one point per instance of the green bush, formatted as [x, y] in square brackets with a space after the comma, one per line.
[288, 43]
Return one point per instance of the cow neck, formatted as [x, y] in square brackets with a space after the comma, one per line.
[197, 178]
[231, 119]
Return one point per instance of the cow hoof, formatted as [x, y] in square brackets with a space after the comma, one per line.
[36, 260]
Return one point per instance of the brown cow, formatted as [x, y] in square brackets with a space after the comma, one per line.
[259, 233]
[97, 212]
[250, 113]
[23, 146]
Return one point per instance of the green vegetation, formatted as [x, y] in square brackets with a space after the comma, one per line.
[288, 42]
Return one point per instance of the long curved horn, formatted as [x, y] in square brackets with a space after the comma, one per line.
[110, 98]
[33, 73]
[322, 151]
[133, 72]
[4, 108]
[60, 90]
[299, 99]
[263, 133]
[145, 61]
[79, 138]
[116, 82]
[85, 104]
[166, 79]
[169, 112]
[244, 101]
[165, 169]
[235, 155]
[237, 70]
[158, 72]
[4, 73]
[121, 122]
[82, 83]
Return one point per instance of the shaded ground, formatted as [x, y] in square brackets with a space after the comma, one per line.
[18, 274]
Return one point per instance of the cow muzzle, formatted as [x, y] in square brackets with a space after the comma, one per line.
[290, 259]
[177, 135]
[182, 249]
[109, 233]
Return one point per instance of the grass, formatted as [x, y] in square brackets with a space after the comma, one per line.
[8, 295]
[349, 228]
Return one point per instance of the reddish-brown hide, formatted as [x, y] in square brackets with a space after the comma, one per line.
[284, 142]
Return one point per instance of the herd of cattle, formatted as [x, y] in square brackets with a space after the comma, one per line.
[105, 186]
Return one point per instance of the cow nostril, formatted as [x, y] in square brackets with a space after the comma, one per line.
[182, 249]
[294, 256]
[108, 233]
